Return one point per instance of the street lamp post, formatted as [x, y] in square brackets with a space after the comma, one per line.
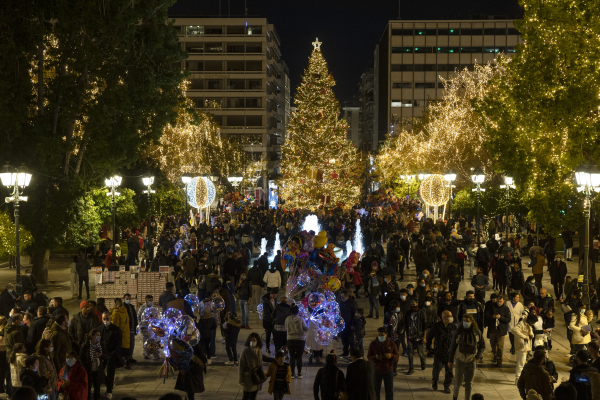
[186, 180]
[17, 180]
[588, 182]
[148, 183]
[112, 184]
[478, 178]
[508, 185]
[450, 177]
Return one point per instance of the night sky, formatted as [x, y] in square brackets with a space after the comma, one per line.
[349, 29]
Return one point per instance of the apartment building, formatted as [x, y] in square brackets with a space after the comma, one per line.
[353, 114]
[366, 93]
[237, 75]
[412, 56]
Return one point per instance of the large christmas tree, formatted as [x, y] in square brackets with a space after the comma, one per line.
[318, 162]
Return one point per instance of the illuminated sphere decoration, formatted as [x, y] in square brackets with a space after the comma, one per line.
[434, 190]
[201, 192]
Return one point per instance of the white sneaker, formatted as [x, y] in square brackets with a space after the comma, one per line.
[209, 361]
[300, 376]
[229, 363]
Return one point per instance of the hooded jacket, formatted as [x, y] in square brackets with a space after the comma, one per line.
[295, 327]
[272, 278]
[382, 364]
[12, 336]
[120, 318]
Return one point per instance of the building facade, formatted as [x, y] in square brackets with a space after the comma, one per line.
[352, 112]
[238, 76]
[412, 56]
[366, 95]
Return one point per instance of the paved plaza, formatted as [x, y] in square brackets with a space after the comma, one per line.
[141, 382]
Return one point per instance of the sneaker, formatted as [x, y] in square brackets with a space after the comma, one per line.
[269, 351]
[209, 361]
[229, 362]
[434, 386]
[300, 376]
[243, 327]
[247, 327]
[369, 316]
[423, 367]
[377, 317]
[293, 376]
[495, 360]
[410, 371]
[108, 396]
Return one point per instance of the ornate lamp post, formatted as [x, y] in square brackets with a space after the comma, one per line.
[112, 184]
[478, 178]
[508, 185]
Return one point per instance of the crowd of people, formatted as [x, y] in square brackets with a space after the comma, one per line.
[56, 353]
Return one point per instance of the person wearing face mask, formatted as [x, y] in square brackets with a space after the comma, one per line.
[347, 312]
[393, 320]
[530, 290]
[430, 311]
[46, 366]
[494, 270]
[479, 283]
[472, 307]
[120, 318]
[89, 357]
[28, 282]
[466, 346]
[497, 319]
[523, 333]
[82, 323]
[269, 302]
[385, 298]
[149, 302]
[420, 291]
[30, 377]
[441, 335]
[73, 379]
[502, 271]
[250, 359]
[61, 342]
[133, 323]
[37, 328]
[383, 353]
[111, 340]
[414, 322]
[454, 278]
[580, 337]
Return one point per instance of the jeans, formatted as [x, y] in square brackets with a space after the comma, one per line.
[402, 340]
[466, 371]
[278, 395]
[440, 363]
[244, 310]
[388, 381]
[296, 349]
[359, 344]
[111, 366]
[268, 333]
[256, 292]
[374, 301]
[410, 346]
[131, 343]
[85, 279]
[250, 395]
[558, 289]
[205, 344]
[229, 287]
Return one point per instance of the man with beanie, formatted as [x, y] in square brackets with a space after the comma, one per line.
[383, 353]
[83, 322]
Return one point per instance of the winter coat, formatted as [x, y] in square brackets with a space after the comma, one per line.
[62, 345]
[462, 310]
[377, 348]
[471, 337]
[15, 369]
[558, 271]
[35, 332]
[244, 290]
[7, 302]
[516, 280]
[193, 381]
[249, 360]
[78, 378]
[295, 327]
[523, 336]
[329, 380]
[164, 298]
[83, 267]
[418, 331]
[110, 339]
[584, 392]
[544, 303]
[272, 278]
[575, 326]
[133, 321]
[255, 276]
[12, 335]
[280, 314]
[441, 336]
[348, 311]
[500, 325]
[516, 313]
[76, 327]
[46, 365]
[537, 378]
[85, 358]
[34, 380]
[272, 373]
[538, 268]
[120, 318]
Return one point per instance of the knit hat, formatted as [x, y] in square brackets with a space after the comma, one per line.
[83, 303]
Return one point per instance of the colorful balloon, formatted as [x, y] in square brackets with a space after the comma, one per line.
[218, 304]
[334, 284]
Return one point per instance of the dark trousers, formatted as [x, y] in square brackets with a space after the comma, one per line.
[296, 351]
[558, 289]
[356, 289]
[388, 382]
[278, 394]
[205, 343]
[268, 333]
[502, 284]
[411, 345]
[345, 336]
[4, 367]
[111, 366]
[538, 280]
[440, 363]
[250, 395]
[480, 295]
[511, 338]
[402, 340]
[231, 348]
[85, 279]
[570, 338]
[484, 266]
[279, 339]
[93, 383]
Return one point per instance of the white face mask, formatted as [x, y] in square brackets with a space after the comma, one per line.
[106, 323]
[427, 303]
[253, 344]
[127, 301]
[450, 320]
[50, 350]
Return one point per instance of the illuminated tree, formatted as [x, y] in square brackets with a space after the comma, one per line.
[8, 236]
[317, 160]
[451, 137]
[542, 115]
[193, 145]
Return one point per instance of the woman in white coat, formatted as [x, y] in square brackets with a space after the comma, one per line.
[523, 333]
[516, 313]
[578, 320]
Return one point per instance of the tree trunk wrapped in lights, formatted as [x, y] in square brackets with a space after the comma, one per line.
[318, 163]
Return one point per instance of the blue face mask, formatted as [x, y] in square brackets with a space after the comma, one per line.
[422, 285]
[381, 338]
[466, 325]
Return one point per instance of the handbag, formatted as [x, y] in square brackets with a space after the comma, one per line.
[339, 394]
[258, 376]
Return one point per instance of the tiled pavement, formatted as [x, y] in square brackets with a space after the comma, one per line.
[221, 381]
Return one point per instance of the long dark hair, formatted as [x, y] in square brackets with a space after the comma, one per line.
[474, 327]
[256, 336]
[41, 346]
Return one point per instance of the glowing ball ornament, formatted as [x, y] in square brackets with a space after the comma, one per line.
[201, 192]
[435, 190]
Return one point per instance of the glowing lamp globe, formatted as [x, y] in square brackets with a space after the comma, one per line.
[201, 192]
[434, 190]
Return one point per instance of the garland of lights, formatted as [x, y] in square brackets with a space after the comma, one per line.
[434, 190]
[201, 192]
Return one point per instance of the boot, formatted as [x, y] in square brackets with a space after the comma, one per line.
[447, 389]
[411, 371]
[434, 385]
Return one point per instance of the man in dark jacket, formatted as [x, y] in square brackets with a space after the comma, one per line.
[269, 302]
[83, 322]
[13, 334]
[8, 300]
[61, 342]
[37, 328]
[483, 258]
[359, 377]
[133, 323]
[280, 313]
[497, 318]
[479, 283]
[166, 296]
[56, 308]
[348, 313]
[111, 341]
[415, 334]
[28, 305]
[558, 273]
[440, 334]
[534, 376]
[544, 300]
[471, 306]
[255, 277]
[383, 353]
[83, 266]
[584, 392]
[244, 292]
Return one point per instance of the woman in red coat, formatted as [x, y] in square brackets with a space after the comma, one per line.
[73, 379]
[357, 280]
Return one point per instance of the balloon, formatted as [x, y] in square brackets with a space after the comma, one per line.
[187, 331]
[181, 354]
[339, 324]
[151, 346]
[218, 304]
[151, 313]
[193, 300]
[323, 336]
[334, 284]
[315, 299]
[159, 328]
[259, 310]
[172, 317]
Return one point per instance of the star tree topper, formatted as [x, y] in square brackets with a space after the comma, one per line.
[317, 45]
